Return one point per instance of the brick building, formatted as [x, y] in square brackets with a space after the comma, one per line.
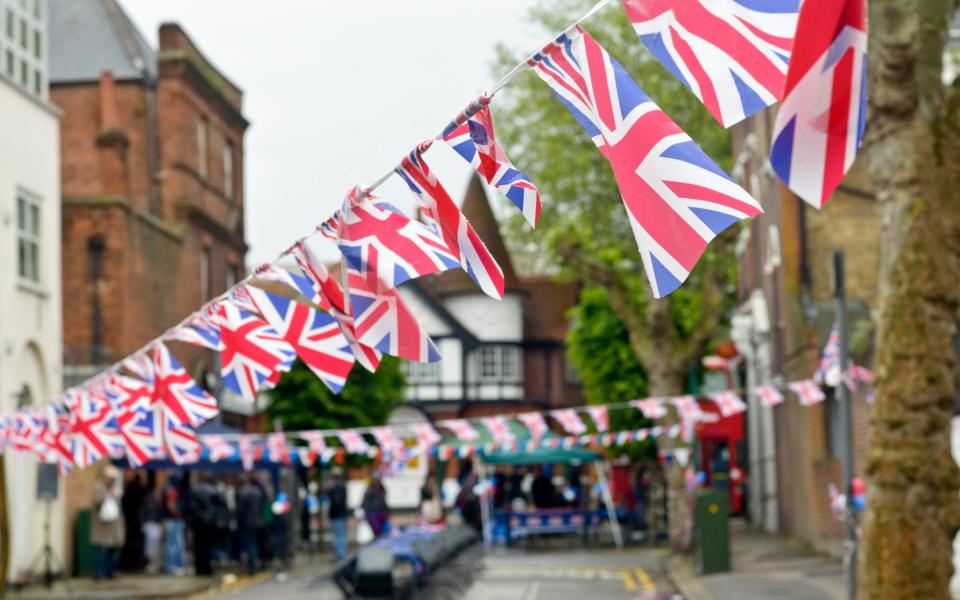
[781, 327]
[152, 185]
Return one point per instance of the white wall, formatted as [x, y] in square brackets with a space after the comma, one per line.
[30, 315]
[489, 319]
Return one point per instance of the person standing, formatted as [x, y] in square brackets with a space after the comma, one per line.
[375, 506]
[203, 520]
[430, 507]
[132, 554]
[174, 540]
[250, 500]
[337, 512]
[107, 531]
[152, 528]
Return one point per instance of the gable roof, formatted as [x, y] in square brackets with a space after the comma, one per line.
[88, 37]
[476, 207]
[545, 306]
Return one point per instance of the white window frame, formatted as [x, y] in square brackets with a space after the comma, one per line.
[24, 36]
[202, 147]
[25, 236]
[422, 373]
[499, 363]
[228, 170]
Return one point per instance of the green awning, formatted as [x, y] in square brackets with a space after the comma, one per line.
[576, 454]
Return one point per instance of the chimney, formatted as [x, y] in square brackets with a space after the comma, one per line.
[109, 117]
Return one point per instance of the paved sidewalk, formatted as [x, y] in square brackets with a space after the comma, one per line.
[764, 567]
[124, 587]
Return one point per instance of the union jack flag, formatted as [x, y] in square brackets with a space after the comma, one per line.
[535, 424]
[732, 55]
[677, 199]
[277, 449]
[600, 416]
[471, 136]
[830, 357]
[254, 354]
[56, 439]
[821, 119]
[328, 294]
[314, 335]
[461, 428]
[176, 394]
[353, 442]
[377, 240]
[140, 364]
[199, 330]
[180, 441]
[388, 440]
[136, 421]
[93, 429]
[298, 283]
[861, 374]
[248, 452]
[729, 403]
[427, 436]
[570, 420]
[499, 428]
[688, 408]
[807, 391]
[769, 395]
[316, 441]
[127, 393]
[219, 448]
[651, 408]
[440, 211]
[24, 432]
[383, 321]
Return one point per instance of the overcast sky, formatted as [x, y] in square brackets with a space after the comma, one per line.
[338, 92]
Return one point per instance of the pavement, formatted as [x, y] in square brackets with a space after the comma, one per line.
[140, 587]
[764, 567]
[557, 574]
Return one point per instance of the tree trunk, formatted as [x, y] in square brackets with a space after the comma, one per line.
[913, 509]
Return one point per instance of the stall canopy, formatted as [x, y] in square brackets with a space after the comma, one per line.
[526, 453]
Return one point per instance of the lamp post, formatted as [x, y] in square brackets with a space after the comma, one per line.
[846, 424]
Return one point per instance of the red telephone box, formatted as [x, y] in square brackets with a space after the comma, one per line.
[720, 447]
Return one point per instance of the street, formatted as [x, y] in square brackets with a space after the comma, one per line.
[505, 575]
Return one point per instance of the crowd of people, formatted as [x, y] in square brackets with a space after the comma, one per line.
[142, 525]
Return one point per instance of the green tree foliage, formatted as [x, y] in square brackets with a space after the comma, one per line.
[302, 402]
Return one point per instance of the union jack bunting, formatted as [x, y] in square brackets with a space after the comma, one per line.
[388, 440]
[807, 391]
[127, 393]
[769, 395]
[861, 374]
[652, 409]
[821, 118]
[383, 321]
[314, 335]
[254, 354]
[24, 432]
[140, 430]
[247, 451]
[277, 449]
[198, 330]
[93, 429]
[57, 439]
[471, 135]
[499, 429]
[315, 440]
[461, 428]
[353, 442]
[297, 283]
[140, 364]
[688, 408]
[176, 394]
[218, 448]
[378, 241]
[600, 416]
[440, 211]
[570, 420]
[729, 403]
[535, 424]
[830, 357]
[179, 440]
[732, 55]
[677, 199]
[427, 436]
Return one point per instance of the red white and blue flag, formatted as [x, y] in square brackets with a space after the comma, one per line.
[176, 394]
[254, 353]
[218, 448]
[93, 429]
[56, 439]
[499, 429]
[471, 136]
[570, 420]
[248, 452]
[180, 441]
[729, 403]
[688, 408]
[314, 335]
[198, 330]
[732, 55]
[600, 416]
[278, 451]
[807, 391]
[440, 211]
[136, 421]
[769, 395]
[677, 199]
[535, 424]
[828, 369]
[353, 441]
[461, 428]
[427, 436]
[821, 118]
[651, 408]
[403, 248]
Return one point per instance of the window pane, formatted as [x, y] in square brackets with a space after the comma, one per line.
[202, 147]
[37, 44]
[36, 8]
[21, 214]
[24, 73]
[21, 257]
[11, 64]
[34, 219]
[10, 24]
[23, 33]
[228, 170]
[37, 83]
[34, 261]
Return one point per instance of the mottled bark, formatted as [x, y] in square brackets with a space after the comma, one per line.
[913, 509]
